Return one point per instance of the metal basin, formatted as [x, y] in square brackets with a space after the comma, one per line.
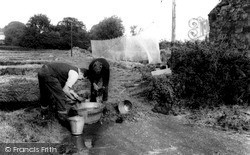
[91, 111]
[124, 107]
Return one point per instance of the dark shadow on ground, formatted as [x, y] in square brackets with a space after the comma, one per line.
[89, 142]
[17, 105]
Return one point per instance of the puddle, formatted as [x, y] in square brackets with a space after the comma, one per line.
[92, 141]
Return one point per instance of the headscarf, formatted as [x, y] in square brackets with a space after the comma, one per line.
[97, 66]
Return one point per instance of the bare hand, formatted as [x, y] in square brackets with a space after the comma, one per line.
[79, 99]
[75, 96]
[96, 87]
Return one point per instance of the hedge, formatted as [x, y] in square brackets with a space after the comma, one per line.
[204, 71]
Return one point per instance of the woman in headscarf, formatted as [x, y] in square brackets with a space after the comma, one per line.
[99, 70]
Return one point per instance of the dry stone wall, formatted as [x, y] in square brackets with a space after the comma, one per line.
[230, 21]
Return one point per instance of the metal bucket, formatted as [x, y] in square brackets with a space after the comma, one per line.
[77, 124]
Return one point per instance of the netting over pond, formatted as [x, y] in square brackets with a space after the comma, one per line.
[133, 48]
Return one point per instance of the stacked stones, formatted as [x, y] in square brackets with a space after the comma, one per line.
[230, 21]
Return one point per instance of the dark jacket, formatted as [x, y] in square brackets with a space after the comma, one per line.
[95, 77]
[61, 71]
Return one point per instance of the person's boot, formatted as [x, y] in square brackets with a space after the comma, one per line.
[62, 117]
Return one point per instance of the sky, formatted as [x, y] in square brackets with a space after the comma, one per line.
[153, 16]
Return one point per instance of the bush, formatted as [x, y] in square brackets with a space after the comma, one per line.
[157, 88]
[164, 44]
[160, 89]
[13, 33]
[201, 70]
[211, 81]
[108, 28]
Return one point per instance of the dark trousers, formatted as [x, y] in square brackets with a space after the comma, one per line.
[51, 93]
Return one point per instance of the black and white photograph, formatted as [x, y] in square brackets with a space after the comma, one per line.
[125, 77]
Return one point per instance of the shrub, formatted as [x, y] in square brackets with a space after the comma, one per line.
[202, 70]
[193, 69]
[159, 89]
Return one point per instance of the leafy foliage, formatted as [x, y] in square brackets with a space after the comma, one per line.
[210, 80]
[36, 32]
[39, 33]
[30, 38]
[13, 33]
[107, 29]
[202, 70]
[39, 22]
[67, 22]
[135, 30]
[164, 44]
[159, 89]
[69, 26]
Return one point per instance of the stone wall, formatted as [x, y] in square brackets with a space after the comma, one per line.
[230, 21]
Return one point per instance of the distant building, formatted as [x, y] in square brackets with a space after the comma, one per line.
[2, 37]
